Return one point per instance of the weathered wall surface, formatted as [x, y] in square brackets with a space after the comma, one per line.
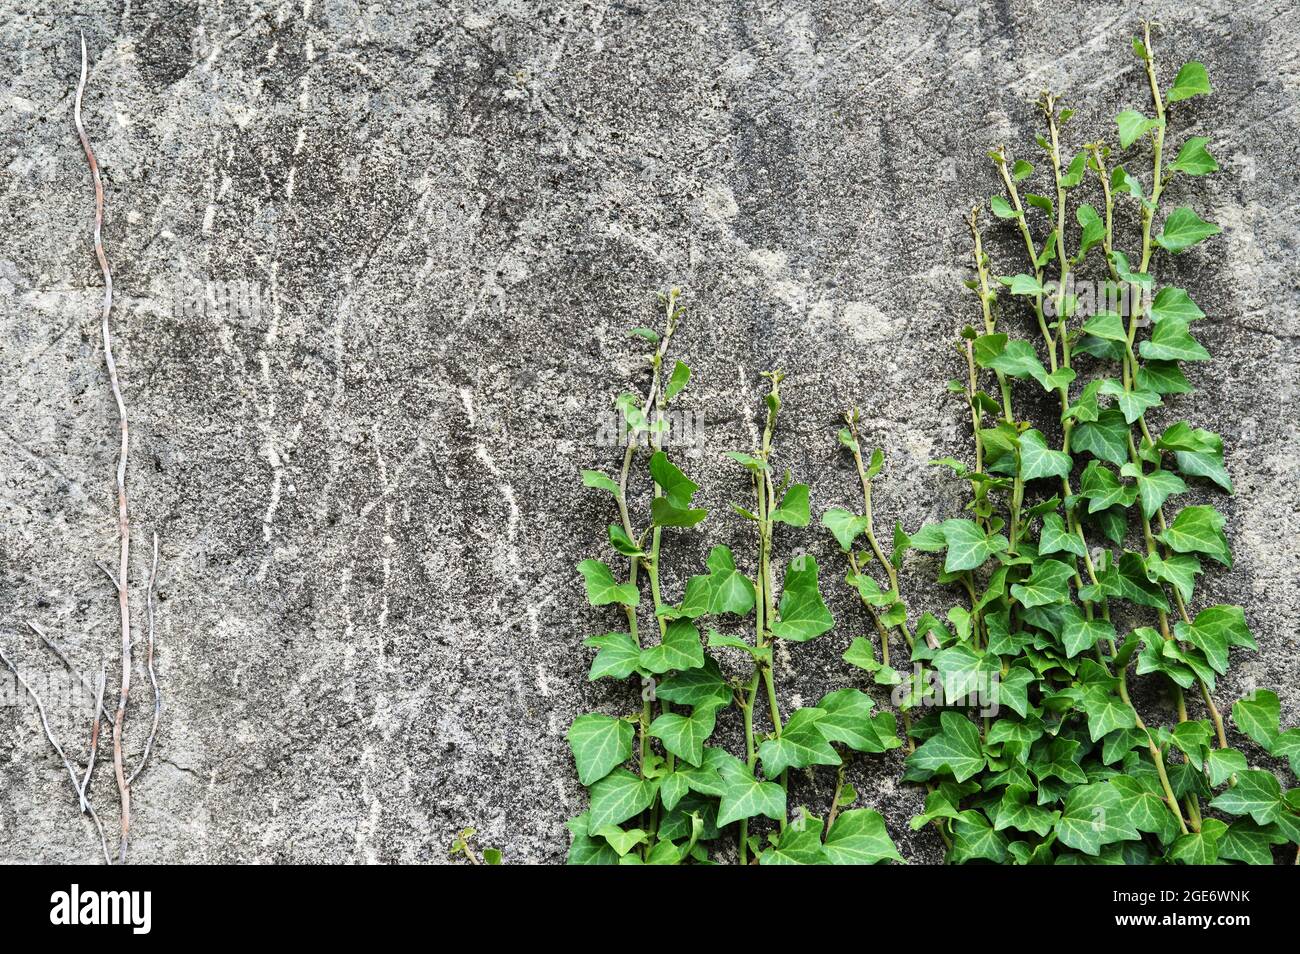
[375, 263]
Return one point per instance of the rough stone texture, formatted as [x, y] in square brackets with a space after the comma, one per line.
[423, 231]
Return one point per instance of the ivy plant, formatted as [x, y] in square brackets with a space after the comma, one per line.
[1077, 558]
[663, 788]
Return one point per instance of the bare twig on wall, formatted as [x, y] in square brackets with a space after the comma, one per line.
[94, 735]
[153, 677]
[123, 522]
[67, 764]
[63, 658]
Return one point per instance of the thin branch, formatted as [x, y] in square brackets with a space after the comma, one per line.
[63, 658]
[94, 737]
[72, 773]
[153, 677]
[123, 522]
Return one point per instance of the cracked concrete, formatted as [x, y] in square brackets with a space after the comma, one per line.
[375, 264]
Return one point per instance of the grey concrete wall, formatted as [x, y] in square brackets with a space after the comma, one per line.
[425, 229]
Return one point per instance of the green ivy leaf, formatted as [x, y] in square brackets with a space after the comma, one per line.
[969, 546]
[1037, 460]
[586, 849]
[1179, 571]
[678, 380]
[1222, 764]
[799, 844]
[674, 508]
[594, 478]
[1155, 487]
[794, 507]
[1246, 841]
[1093, 816]
[621, 542]
[1023, 284]
[1105, 438]
[1192, 80]
[1022, 170]
[1132, 126]
[859, 837]
[1014, 811]
[1176, 304]
[679, 649]
[684, 735]
[618, 796]
[955, 749]
[1215, 629]
[1199, 848]
[603, 589]
[1257, 794]
[744, 797]
[1163, 377]
[618, 658]
[1183, 229]
[803, 614]
[800, 744]
[1106, 711]
[600, 744]
[1094, 230]
[1199, 529]
[844, 526]
[1055, 538]
[1258, 716]
[1171, 341]
[1102, 488]
[1048, 583]
[1193, 159]
[1002, 208]
[974, 838]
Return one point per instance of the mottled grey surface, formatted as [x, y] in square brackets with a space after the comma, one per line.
[421, 232]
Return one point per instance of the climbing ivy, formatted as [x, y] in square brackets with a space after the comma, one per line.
[662, 789]
[1076, 559]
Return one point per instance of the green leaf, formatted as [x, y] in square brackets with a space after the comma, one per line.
[1183, 229]
[586, 849]
[969, 546]
[1179, 571]
[680, 376]
[1222, 764]
[684, 736]
[594, 478]
[1106, 711]
[955, 749]
[679, 649]
[1023, 285]
[1106, 325]
[1041, 202]
[1105, 438]
[1001, 208]
[618, 796]
[1163, 377]
[1094, 230]
[799, 844]
[622, 841]
[1199, 529]
[803, 614]
[603, 589]
[1055, 538]
[648, 334]
[846, 717]
[1193, 159]
[1103, 489]
[1209, 466]
[859, 837]
[600, 744]
[1048, 583]
[745, 797]
[1176, 304]
[1131, 403]
[1199, 848]
[966, 673]
[974, 838]
[622, 542]
[1093, 816]
[1036, 460]
[1081, 635]
[1215, 629]
[1021, 170]
[673, 509]
[1156, 487]
[1192, 80]
[844, 526]
[1132, 126]
[749, 462]
[794, 507]
[1248, 842]
[1171, 341]
[1019, 360]
[1258, 715]
[700, 687]
[1257, 794]
[1014, 811]
[800, 744]
[618, 658]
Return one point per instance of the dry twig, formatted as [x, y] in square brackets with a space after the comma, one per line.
[153, 677]
[72, 773]
[123, 523]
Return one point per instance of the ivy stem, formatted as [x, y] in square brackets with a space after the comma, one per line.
[1156, 756]
[999, 157]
